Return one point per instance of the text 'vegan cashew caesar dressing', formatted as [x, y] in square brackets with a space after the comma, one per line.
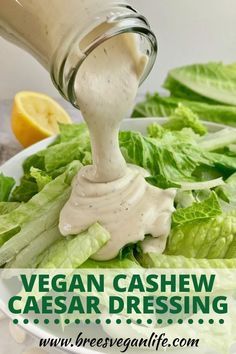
[110, 192]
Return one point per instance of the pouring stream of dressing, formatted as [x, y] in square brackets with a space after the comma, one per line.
[110, 192]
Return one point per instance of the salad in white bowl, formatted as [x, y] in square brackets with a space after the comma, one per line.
[198, 160]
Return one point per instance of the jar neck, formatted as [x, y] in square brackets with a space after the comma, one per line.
[109, 23]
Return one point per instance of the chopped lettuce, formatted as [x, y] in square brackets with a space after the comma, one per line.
[116, 263]
[218, 140]
[183, 117]
[40, 177]
[6, 185]
[28, 257]
[7, 207]
[155, 131]
[173, 158]
[158, 106]
[70, 253]
[228, 191]
[78, 132]
[212, 239]
[188, 186]
[162, 182]
[33, 217]
[25, 191]
[206, 209]
[31, 183]
[162, 261]
[72, 144]
[54, 157]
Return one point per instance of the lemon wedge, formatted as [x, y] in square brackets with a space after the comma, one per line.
[35, 116]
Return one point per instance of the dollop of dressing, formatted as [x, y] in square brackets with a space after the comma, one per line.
[110, 192]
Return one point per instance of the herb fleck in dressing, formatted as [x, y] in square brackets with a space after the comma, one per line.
[111, 192]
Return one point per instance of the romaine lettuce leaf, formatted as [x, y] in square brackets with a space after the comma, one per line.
[155, 260]
[73, 143]
[7, 207]
[155, 131]
[228, 191]
[78, 132]
[175, 157]
[70, 253]
[54, 157]
[28, 257]
[116, 263]
[158, 106]
[183, 117]
[178, 90]
[40, 177]
[41, 205]
[162, 182]
[212, 239]
[25, 191]
[31, 183]
[206, 209]
[214, 81]
[6, 185]
[155, 106]
[218, 140]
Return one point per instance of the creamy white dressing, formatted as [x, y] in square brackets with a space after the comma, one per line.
[110, 192]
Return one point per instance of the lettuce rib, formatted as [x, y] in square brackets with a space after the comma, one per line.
[154, 260]
[35, 217]
[70, 253]
[212, 239]
[27, 258]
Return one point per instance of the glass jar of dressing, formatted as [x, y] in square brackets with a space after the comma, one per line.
[61, 34]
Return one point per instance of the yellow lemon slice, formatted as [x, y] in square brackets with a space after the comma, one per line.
[35, 116]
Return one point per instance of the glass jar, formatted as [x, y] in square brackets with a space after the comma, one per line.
[60, 34]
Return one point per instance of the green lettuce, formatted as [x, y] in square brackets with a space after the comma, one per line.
[117, 263]
[34, 217]
[73, 143]
[158, 106]
[162, 261]
[183, 117]
[213, 81]
[211, 239]
[218, 140]
[25, 191]
[175, 157]
[6, 185]
[31, 183]
[181, 91]
[70, 253]
[28, 256]
[40, 177]
[78, 132]
[7, 207]
[206, 209]
[228, 191]
[155, 131]
[162, 182]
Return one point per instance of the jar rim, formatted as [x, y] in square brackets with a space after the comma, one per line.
[124, 23]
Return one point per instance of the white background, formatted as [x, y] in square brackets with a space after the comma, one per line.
[188, 31]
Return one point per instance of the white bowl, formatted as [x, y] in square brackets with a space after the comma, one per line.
[13, 168]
